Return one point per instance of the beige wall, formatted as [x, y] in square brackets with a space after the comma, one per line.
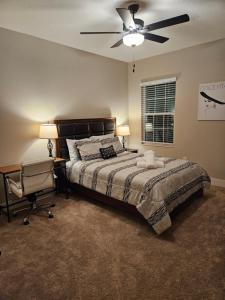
[41, 81]
[200, 141]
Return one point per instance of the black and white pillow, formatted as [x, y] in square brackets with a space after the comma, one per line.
[108, 152]
[88, 150]
[73, 152]
[115, 142]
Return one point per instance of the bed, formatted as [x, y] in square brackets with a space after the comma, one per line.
[153, 193]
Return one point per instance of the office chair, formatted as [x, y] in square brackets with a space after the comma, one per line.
[35, 177]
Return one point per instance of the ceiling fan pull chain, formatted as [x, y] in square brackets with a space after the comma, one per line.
[133, 59]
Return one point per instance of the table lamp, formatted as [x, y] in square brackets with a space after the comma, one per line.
[48, 131]
[123, 131]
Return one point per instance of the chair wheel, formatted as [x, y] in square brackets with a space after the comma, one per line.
[50, 215]
[26, 221]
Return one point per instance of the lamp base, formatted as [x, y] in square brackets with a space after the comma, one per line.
[123, 141]
[50, 147]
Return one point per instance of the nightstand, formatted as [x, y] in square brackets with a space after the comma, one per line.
[61, 177]
[132, 150]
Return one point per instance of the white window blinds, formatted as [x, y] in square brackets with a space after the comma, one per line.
[158, 107]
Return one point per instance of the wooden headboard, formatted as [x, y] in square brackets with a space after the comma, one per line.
[80, 129]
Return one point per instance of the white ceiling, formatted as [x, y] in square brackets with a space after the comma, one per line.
[61, 21]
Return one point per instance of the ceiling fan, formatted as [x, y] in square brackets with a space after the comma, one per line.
[134, 32]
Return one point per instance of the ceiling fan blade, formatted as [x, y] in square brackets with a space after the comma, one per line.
[168, 22]
[101, 32]
[117, 44]
[155, 38]
[126, 17]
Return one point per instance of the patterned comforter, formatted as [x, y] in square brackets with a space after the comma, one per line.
[154, 192]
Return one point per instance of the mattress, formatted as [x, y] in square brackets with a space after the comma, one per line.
[154, 192]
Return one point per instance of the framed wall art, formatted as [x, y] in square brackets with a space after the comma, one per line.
[211, 105]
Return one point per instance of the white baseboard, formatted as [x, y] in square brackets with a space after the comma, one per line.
[218, 182]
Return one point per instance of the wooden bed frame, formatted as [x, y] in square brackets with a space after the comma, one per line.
[84, 128]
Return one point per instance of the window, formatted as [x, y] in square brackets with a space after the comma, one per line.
[158, 106]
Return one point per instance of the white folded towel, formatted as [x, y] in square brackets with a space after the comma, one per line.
[159, 164]
[149, 157]
[149, 153]
[143, 162]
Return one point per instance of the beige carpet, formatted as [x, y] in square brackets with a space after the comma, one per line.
[90, 251]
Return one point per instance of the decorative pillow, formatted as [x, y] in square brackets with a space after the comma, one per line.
[101, 137]
[89, 150]
[73, 153]
[115, 142]
[108, 152]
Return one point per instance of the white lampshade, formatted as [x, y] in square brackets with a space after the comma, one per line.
[123, 130]
[133, 39]
[48, 131]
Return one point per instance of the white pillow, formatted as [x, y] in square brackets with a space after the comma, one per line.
[89, 150]
[115, 142]
[73, 153]
[101, 137]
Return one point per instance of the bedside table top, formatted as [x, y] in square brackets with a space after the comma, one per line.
[132, 150]
[59, 159]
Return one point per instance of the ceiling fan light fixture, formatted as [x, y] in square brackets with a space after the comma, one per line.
[133, 39]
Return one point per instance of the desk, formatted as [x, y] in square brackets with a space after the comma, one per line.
[7, 170]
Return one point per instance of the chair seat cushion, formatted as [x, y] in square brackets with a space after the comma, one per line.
[16, 188]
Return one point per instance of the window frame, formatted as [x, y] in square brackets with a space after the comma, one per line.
[144, 114]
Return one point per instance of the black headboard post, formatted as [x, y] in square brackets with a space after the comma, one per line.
[80, 129]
